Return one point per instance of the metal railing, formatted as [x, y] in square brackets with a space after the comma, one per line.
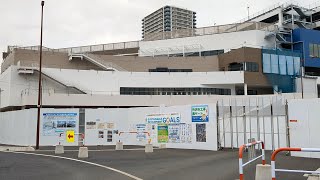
[273, 161]
[83, 49]
[275, 6]
[237, 27]
[251, 158]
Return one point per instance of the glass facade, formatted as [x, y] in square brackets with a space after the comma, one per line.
[173, 91]
[281, 62]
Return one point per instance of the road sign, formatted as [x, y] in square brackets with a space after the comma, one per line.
[70, 136]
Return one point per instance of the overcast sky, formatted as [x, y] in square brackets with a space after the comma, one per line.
[70, 23]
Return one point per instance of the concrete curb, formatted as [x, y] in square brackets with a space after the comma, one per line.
[16, 148]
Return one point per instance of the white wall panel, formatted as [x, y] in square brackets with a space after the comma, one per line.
[19, 127]
[304, 132]
[225, 41]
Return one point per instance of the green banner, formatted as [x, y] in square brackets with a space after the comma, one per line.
[163, 133]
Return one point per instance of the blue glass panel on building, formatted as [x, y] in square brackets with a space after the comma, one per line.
[283, 65]
[266, 62]
[296, 64]
[274, 64]
[290, 67]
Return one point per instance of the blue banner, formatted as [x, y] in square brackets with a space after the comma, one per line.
[200, 113]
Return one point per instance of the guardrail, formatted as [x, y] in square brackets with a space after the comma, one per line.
[241, 149]
[273, 161]
[219, 29]
[82, 49]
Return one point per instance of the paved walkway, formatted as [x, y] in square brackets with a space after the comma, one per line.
[162, 164]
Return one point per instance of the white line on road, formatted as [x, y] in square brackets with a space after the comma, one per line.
[86, 162]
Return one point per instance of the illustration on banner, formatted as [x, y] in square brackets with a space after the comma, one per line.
[200, 113]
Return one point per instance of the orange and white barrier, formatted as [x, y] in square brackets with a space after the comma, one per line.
[273, 161]
[241, 149]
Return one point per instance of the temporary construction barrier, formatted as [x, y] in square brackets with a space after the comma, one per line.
[263, 117]
[273, 163]
[251, 157]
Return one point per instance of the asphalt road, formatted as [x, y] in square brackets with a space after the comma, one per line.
[162, 164]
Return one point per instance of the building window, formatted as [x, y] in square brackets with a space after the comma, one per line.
[281, 64]
[314, 50]
[165, 69]
[174, 91]
[235, 66]
[251, 67]
[246, 66]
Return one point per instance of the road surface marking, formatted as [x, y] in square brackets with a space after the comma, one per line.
[86, 162]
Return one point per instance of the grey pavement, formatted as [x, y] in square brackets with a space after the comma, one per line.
[174, 164]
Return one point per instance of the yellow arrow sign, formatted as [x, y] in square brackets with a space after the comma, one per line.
[70, 136]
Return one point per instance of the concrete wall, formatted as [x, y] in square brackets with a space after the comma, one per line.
[225, 41]
[50, 59]
[14, 86]
[103, 82]
[304, 125]
[143, 64]
[17, 86]
[255, 80]
[60, 60]
[125, 120]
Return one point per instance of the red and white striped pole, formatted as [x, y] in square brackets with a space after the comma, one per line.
[241, 149]
[273, 159]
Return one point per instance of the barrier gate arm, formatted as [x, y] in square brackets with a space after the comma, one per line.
[241, 149]
[273, 161]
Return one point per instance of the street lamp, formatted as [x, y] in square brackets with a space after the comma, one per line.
[1, 90]
[40, 88]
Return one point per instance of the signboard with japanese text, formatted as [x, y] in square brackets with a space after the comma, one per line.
[200, 113]
[169, 118]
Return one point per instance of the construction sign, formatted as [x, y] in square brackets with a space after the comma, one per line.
[70, 136]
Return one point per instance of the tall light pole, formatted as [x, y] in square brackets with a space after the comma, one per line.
[0, 103]
[40, 88]
[248, 8]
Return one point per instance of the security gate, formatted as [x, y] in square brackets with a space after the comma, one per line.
[259, 117]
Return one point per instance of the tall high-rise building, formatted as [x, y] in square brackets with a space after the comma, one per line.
[168, 18]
